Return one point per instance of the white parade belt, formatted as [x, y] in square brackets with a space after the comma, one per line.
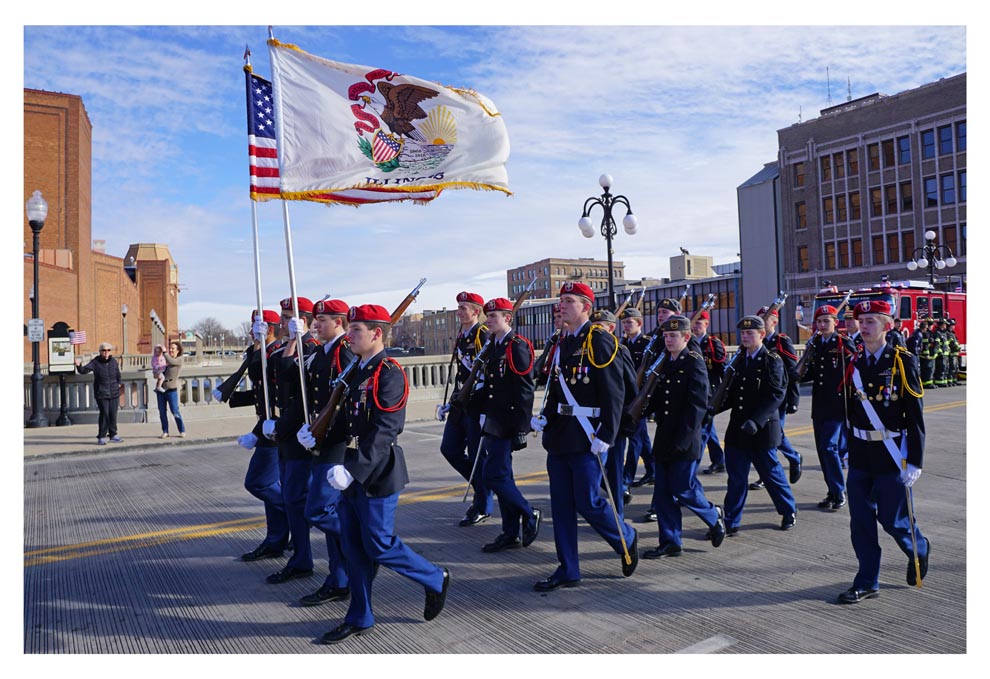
[874, 435]
[578, 411]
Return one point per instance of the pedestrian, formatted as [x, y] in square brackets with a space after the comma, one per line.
[169, 393]
[107, 387]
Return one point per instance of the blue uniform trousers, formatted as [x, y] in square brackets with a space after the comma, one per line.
[677, 486]
[785, 446]
[321, 513]
[499, 480]
[638, 447]
[878, 498]
[737, 465]
[709, 437]
[295, 485]
[830, 440]
[263, 480]
[575, 479]
[459, 445]
[368, 536]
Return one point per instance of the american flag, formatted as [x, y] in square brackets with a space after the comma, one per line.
[262, 149]
[77, 337]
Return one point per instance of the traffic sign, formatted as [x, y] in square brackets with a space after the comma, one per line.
[36, 330]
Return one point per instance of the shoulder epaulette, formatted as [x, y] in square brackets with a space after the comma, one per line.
[695, 354]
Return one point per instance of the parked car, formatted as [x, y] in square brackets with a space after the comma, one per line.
[395, 351]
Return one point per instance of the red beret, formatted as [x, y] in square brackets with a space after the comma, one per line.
[579, 289]
[704, 316]
[305, 305]
[498, 304]
[826, 310]
[764, 309]
[371, 313]
[470, 297]
[330, 307]
[872, 307]
[268, 316]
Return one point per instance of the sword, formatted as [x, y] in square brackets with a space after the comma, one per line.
[474, 466]
[909, 495]
[611, 504]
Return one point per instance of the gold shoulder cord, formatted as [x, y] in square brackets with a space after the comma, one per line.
[477, 337]
[899, 363]
[591, 352]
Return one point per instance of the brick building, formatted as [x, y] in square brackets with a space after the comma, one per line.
[80, 284]
[552, 272]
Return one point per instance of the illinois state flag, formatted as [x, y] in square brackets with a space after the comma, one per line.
[353, 134]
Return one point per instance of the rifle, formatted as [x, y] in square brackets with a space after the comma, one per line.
[461, 396]
[777, 304]
[409, 299]
[642, 296]
[802, 366]
[657, 335]
[622, 307]
[523, 297]
[638, 404]
[705, 306]
[230, 384]
[325, 419]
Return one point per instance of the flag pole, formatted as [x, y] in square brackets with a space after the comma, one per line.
[295, 310]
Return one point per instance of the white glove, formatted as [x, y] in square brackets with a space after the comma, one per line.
[268, 429]
[259, 330]
[217, 396]
[296, 328]
[339, 477]
[538, 423]
[305, 437]
[248, 441]
[598, 447]
[910, 475]
[442, 411]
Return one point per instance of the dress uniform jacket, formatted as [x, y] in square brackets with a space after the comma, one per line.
[375, 417]
[256, 394]
[466, 348]
[756, 393]
[604, 389]
[287, 389]
[781, 345]
[679, 403]
[898, 409]
[825, 370]
[637, 348]
[714, 354]
[322, 369]
[507, 396]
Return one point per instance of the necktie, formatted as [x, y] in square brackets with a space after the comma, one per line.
[872, 361]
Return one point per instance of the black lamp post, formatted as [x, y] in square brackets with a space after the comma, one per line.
[37, 211]
[931, 257]
[608, 227]
[123, 325]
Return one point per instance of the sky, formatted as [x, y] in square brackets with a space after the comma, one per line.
[678, 115]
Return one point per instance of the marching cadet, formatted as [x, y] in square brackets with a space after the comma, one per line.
[827, 368]
[713, 351]
[885, 454]
[679, 403]
[927, 355]
[462, 431]
[852, 330]
[895, 337]
[507, 406]
[372, 475]
[754, 396]
[780, 344]
[581, 421]
[322, 499]
[296, 461]
[263, 477]
[636, 341]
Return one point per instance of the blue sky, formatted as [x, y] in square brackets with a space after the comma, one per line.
[679, 116]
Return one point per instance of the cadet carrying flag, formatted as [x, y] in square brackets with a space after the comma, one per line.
[353, 134]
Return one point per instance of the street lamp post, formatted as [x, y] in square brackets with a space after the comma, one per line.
[123, 323]
[37, 211]
[608, 227]
[221, 347]
[931, 257]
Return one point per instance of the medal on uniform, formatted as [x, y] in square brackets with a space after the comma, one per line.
[573, 379]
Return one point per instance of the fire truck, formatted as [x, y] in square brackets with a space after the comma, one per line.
[912, 301]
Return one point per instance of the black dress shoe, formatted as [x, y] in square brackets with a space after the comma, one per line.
[436, 600]
[663, 551]
[650, 516]
[788, 522]
[647, 480]
[912, 577]
[503, 541]
[626, 497]
[261, 552]
[553, 582]
[757, 485]
[472, 517]
[796, 469]
[630, 568]
[341, 632]
[827, 502]
[324, 595]
[854, 596]
[717, 532]
[287, 574]
[838, 502]
[713, 469]
[530, 532]
[731, 532]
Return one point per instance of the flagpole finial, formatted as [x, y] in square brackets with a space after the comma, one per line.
[271, 33]
[247, 55]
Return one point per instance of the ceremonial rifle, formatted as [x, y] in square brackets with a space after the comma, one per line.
[642, 296]
[657, 335]
[409, 299]
[622, 307]
[230, 384]
[802, 366]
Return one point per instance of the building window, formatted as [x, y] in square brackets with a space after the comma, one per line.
[802, 263]
[903, 150]
[878, 249]
[945, 140]
[857, 252]
[893, 248]
[949, 237]
[828, 211]
[854, 211]
[840, 204]
[840, 168]
[928, 144]
[843, 254]
[948, 189]
[907, 201]
[873, 153]
[798, 174]
[829, 255]
[907, 240]
[826, 168]
[876, 203]
[962, 186]
[801, 210]
[962, 242]
[961, 136]
[890, 194]
[931, 192]
[888, 153]
[852, 159]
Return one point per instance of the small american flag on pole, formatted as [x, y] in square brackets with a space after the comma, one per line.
[262, 150]
[77, 337]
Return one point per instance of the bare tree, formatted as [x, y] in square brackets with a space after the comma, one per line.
[210, 330]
